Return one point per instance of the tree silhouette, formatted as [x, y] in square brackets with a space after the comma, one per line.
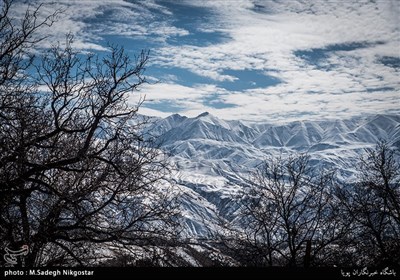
[373, 203]
[75, 172]
[288, 216]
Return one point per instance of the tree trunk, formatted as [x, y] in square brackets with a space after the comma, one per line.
[307, 256]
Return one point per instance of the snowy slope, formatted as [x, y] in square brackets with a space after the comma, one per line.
[213, 157]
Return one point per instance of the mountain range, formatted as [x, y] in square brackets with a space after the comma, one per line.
[213, 158]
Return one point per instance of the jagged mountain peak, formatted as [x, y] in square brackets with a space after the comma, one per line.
[204, 114]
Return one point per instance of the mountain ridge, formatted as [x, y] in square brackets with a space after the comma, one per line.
[214, 157]
[299, 134]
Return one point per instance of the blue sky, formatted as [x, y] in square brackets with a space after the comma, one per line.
[252, 60]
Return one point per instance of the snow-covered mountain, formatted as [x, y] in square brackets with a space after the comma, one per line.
[213, 157]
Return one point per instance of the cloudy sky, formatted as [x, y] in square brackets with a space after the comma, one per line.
[254, 60]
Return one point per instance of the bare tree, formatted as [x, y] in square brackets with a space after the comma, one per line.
[17, 38]
[75, 173]
[288, 215]
[374, 205]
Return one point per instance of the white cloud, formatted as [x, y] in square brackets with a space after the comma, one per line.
[265, 38]
[266, 41]
[90, 20]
